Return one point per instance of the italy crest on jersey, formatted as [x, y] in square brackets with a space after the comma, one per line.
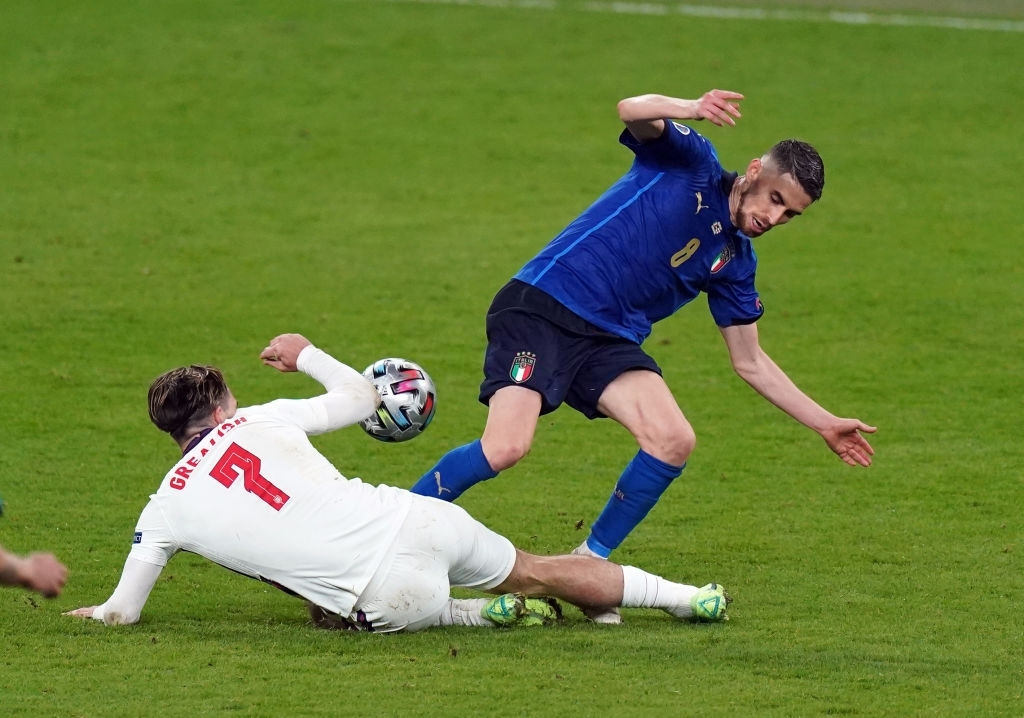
[722, 259]
[522, 367]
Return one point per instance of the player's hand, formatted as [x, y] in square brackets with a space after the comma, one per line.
[719, 107]
[42, 572]
[845, 439]
[84, 612]
[283, 351]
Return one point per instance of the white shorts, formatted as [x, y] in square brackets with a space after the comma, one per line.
[438, 546]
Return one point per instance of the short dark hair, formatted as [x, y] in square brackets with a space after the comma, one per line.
[182, 397]
[803, 162]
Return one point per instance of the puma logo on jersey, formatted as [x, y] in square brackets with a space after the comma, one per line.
[700, 203]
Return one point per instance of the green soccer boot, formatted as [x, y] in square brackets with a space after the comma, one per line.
[515, 609]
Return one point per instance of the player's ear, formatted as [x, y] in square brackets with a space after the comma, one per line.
[754, 169]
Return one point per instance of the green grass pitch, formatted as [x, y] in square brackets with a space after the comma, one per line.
[182, 180]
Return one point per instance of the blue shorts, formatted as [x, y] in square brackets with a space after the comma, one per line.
[535, 342]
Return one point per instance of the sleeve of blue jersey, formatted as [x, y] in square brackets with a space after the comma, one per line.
[728, 314]
[678, 147]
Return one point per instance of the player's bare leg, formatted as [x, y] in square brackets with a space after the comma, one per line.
[511, 422]
[641, 401]
[595, 583]
[512, 416]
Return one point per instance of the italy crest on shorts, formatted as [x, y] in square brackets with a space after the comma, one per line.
[522, 367]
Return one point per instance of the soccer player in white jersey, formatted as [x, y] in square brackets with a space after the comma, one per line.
[252, 494]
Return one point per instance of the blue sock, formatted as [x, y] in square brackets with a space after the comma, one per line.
[642, 483]
[456, 471]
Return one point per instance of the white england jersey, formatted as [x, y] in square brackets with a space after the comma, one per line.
[255, 496]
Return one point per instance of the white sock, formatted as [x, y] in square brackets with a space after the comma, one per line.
[464, 612]
[584, 550]
[645, 590]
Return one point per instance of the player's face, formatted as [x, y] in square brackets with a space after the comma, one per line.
[768, 199]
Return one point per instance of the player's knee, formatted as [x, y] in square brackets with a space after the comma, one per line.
[672, 443]
[505, 454]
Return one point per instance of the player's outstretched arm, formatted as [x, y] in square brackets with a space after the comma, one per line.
[843, 436]
[645, 115]
[125, 605]
[39, 572]
[350, 396]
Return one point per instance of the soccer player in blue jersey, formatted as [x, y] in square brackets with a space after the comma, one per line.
[569, 326]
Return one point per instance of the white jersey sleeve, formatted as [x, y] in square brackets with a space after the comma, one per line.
[152, 546]
[350, 396]
[125, 605]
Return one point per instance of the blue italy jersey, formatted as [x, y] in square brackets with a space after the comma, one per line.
[656, 239]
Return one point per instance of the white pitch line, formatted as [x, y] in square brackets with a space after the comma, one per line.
[741, 13]
[831, 16]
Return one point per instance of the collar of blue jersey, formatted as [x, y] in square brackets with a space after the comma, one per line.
[728, 180]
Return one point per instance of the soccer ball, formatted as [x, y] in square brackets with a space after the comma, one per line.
[408, 398]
